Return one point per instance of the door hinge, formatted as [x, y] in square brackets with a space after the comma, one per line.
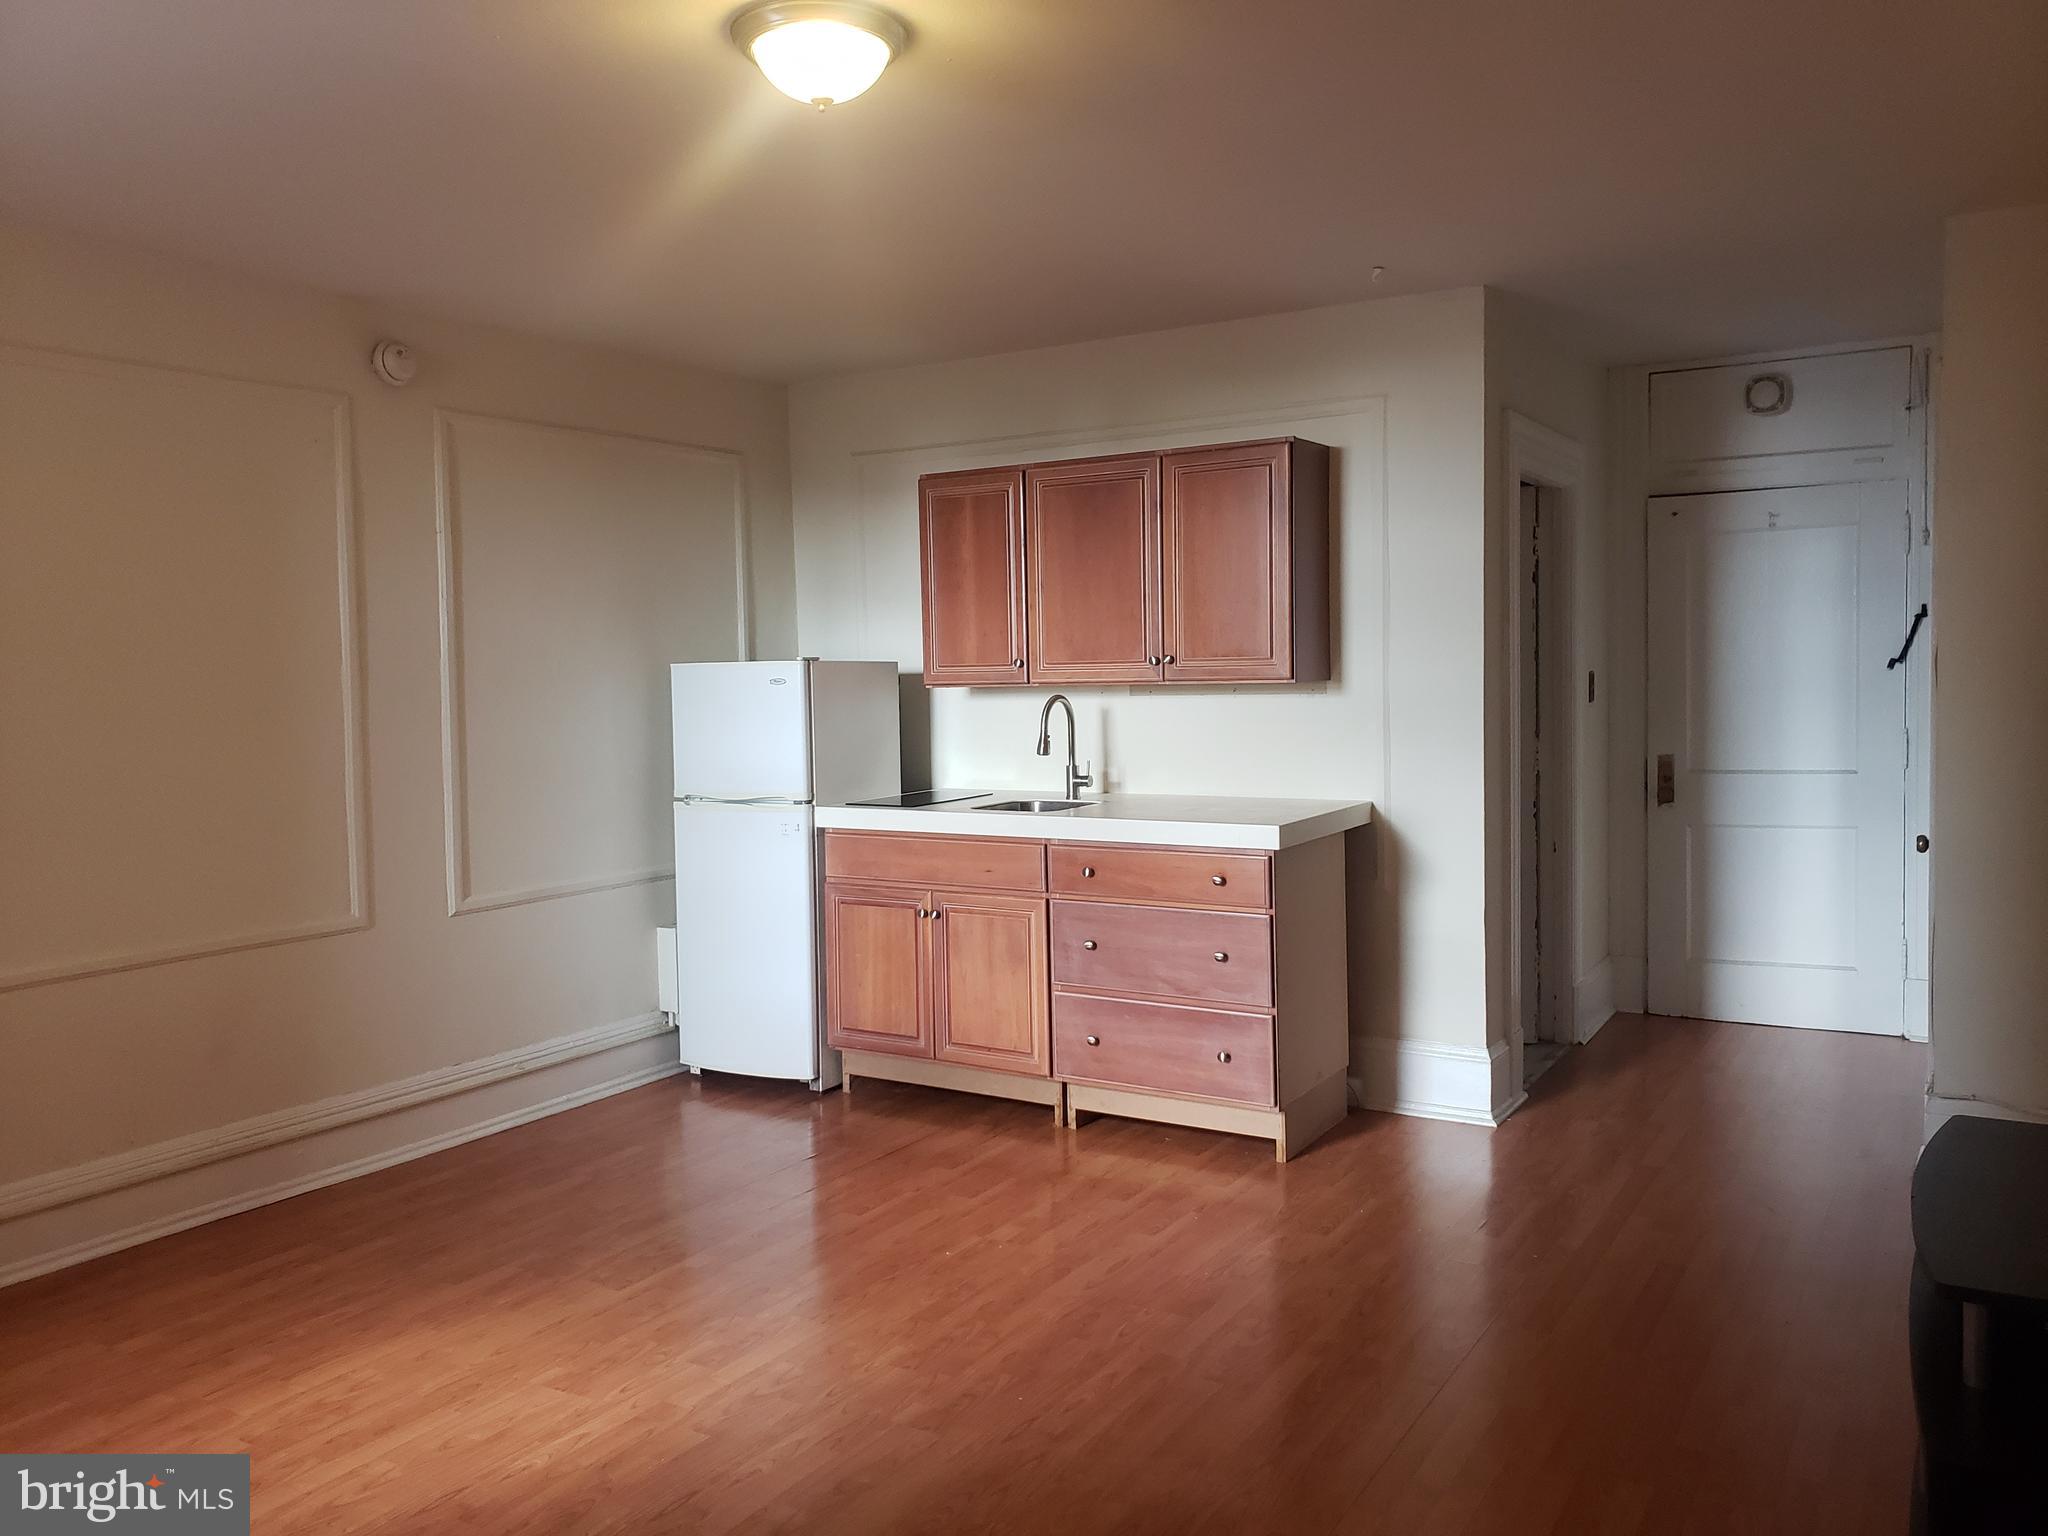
[1918, 381]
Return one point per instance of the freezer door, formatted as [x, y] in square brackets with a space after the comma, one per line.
[742, 729]
[747, 940]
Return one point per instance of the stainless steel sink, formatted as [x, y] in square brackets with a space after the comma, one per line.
[1033, 805]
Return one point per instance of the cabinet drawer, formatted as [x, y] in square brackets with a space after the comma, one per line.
[1196, 1051]
[1159, 874]
[1210, 957]
[978, 863]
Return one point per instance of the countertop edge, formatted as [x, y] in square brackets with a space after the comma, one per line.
[1269, 835]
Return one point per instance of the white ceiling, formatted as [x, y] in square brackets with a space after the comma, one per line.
[1687, 176]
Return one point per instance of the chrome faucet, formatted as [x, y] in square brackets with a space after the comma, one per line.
[1078, 779]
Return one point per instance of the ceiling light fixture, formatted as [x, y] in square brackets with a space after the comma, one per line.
[820, 52]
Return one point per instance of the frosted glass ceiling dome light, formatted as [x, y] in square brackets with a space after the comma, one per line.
[821, 52]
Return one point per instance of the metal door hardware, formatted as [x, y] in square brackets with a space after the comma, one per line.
[1667, 779]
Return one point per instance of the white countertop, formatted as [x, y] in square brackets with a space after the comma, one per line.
[1184, 821]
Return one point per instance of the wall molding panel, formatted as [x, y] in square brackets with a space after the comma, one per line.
[54, 1220]
[291, 411]
[461, 834]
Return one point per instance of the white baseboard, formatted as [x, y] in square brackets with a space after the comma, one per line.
[1629, 993]
[1916, 1009]
[1465, 1083]
[1941, 1110]
[1592, 1001]
[63, 1218]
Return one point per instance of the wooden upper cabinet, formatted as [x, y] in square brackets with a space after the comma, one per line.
[989, 963]
[971, 528]
[1092, 529]
[1243, 554]
[1200, 565]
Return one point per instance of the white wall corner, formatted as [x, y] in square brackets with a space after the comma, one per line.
[53, 1220]
[1941, 1110]
[1628, 984]
[1436, 1082]
[1592, 1001]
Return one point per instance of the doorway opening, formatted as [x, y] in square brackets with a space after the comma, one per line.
[1549, 712]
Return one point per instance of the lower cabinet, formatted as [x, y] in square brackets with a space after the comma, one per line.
[1196, 988]
[987, 969]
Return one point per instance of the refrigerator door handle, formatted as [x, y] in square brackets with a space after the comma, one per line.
[744, 800]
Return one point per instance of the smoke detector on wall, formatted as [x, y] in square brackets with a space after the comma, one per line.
[392, 361]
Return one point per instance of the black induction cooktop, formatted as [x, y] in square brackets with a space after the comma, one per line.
[915, 797]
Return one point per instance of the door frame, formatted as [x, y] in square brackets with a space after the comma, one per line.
[1633, 478]
[1556, 465]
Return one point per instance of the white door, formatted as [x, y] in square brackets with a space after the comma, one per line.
[746, 940]
[1777, 836]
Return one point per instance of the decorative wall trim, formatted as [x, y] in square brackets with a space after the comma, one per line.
[619, 1058]
[462, 899]
[348, 589]
[1593, 1001]
[1436, 1082]
[160, 1159]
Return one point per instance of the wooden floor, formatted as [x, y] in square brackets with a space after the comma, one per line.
[1668, 1296]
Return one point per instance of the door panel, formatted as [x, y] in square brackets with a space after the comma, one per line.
[1093, 536]
[1777, 874]
[989, 1006]
[875, 942]
[972, 530]
[1224, 542]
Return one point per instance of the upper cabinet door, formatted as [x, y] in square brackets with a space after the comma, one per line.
[971, 526]
[1092, 528]
[1228, 552]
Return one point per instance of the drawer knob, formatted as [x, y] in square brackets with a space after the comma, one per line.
[1087, 943]
[1093, 1039]
[1221, 957]
[1223, 1056]
[1087, 871]
[1217, 880]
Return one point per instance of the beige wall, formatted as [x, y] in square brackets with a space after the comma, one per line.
[1989, 965]
[1538, 367]
[1395, 387]
[223, 724]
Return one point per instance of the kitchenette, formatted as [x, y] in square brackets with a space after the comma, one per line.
[1174, 958]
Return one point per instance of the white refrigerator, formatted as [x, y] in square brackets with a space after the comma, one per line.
[757, 745]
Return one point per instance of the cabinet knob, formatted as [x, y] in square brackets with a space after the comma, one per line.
[1221, 957]
[1087, 943]
[1223, 1056]
[1216, 880]
[1167, 659]
[1093, 1039]
[922, 913]
[1151, 661]
[1087, 871]
[935, 914]
[1018, 662]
